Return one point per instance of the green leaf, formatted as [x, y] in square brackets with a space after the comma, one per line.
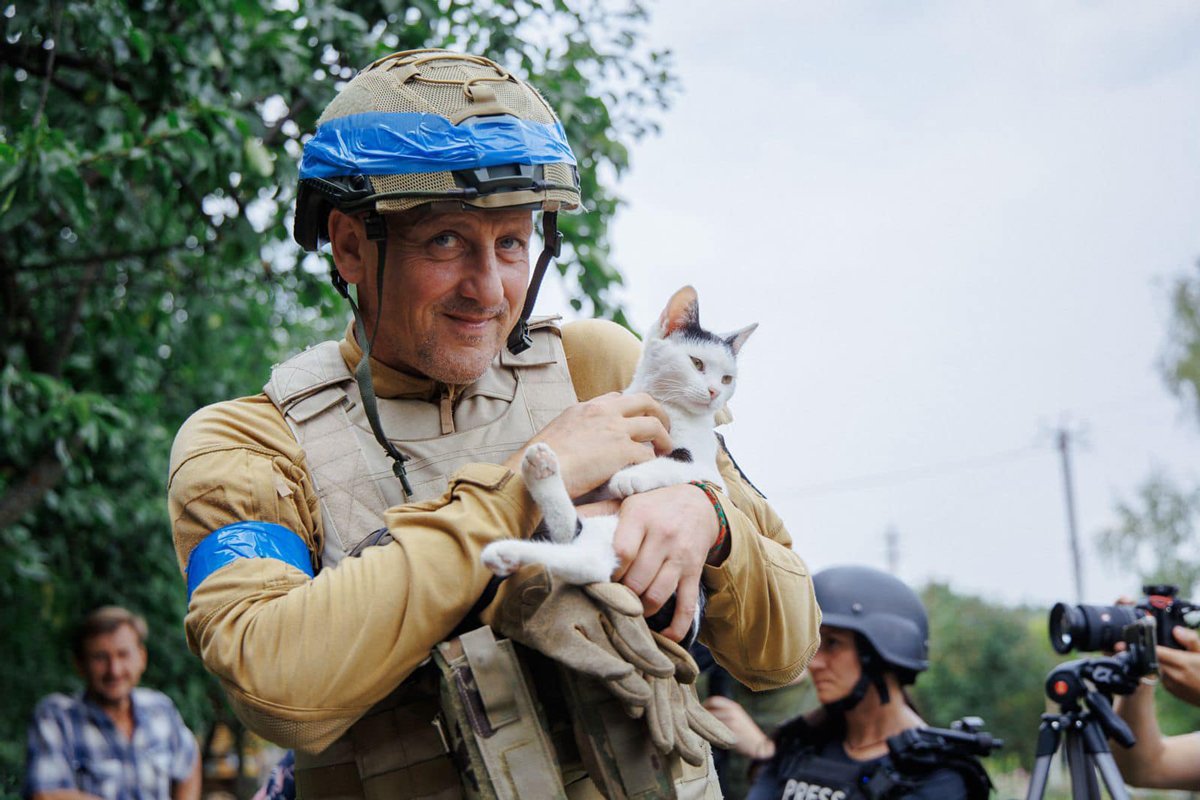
[141, 45]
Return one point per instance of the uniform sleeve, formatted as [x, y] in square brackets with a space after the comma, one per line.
[302, 658]
[47, 764]
[762, 619]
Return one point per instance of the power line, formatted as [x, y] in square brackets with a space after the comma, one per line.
[875, 480]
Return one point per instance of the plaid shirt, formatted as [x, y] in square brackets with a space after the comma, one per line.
[73, 744]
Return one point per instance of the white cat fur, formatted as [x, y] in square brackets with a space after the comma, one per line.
[686, 373]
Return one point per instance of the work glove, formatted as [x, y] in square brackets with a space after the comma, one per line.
[674, 715]
[597, 630]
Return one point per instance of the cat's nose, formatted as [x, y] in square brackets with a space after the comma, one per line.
[712, 393]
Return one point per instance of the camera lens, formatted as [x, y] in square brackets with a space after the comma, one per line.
[1088, 627]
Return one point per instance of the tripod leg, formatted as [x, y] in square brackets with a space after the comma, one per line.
[1083, 776]
[1048, 739]
[1111, 775]
[1096, 746]
[1037, 780]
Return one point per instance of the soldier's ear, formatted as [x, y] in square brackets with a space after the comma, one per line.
[351, 248]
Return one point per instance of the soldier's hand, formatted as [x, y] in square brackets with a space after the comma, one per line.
[662, 540]
[1180, 669]
[597, 630]
[595, 439]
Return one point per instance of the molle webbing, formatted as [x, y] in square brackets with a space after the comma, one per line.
[492, 722]
[615, 748]
[398, 752]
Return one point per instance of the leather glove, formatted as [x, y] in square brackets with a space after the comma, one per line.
[675, 717]
[597, 629]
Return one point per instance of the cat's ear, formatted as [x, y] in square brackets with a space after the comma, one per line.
[682, 311]
[736, 339]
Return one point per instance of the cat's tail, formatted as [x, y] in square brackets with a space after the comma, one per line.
[543, 478]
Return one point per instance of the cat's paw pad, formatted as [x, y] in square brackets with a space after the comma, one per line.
[501, 559]
[539, 462]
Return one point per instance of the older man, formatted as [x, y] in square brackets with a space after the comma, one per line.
[115, 740]
[399, 444]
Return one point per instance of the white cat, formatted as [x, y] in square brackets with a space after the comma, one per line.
[692, 373]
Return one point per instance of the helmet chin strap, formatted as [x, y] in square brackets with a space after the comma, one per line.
[376, 228]
[518, 338]
[872, 673]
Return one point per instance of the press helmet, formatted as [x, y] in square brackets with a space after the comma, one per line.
[882, 609]
[426, 125]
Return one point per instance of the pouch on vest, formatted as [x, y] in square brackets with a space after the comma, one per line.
[616, 749]
[498, 741]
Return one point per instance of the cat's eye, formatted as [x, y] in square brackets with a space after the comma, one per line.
[697, 363]
[726, 379]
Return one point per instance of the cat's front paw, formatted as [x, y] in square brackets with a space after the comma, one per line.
[629, 482]
[501, 558]
[539, 463]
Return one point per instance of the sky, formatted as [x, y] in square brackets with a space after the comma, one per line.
[956, 223]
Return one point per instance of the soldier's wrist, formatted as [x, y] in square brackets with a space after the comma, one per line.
[719, 550]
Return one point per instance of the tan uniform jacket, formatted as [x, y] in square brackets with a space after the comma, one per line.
[311, 655]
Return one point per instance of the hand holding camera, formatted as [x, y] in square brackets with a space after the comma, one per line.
[1179, 665]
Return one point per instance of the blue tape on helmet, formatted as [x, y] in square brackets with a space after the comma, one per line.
[246, 540]
[400, 143]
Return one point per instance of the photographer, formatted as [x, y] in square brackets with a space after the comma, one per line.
[1157, 761]
[874, 641]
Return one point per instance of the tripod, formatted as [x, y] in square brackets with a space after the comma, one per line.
[1086, 727]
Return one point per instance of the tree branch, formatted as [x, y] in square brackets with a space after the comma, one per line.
[91, 258]
[66, 336]
[57, 40]
[28, 493]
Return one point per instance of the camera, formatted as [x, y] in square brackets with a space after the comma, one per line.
[1101, 627]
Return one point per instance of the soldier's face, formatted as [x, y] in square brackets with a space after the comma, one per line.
[112, 665]
[453, 288]
[835, 668]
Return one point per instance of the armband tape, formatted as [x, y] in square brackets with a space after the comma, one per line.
[400, 143]
[246, 540]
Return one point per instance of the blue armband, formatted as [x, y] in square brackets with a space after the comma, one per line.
[246, 540]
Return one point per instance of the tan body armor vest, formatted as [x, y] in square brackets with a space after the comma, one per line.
[401, 748]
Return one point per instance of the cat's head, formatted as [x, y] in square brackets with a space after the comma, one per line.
[684, 364]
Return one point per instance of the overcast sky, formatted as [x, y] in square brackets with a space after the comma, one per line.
[956, 223]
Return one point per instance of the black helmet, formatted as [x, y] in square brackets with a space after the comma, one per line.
[881, 609]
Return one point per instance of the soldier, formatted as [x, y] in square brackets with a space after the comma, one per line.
[330, 528]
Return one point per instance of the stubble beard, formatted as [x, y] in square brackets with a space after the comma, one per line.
[439, 364]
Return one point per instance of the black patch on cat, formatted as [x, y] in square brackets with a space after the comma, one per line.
[692, 330]
[542, 531]
[680, 454]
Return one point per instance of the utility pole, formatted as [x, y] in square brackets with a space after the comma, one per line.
[1064, 448]
[892, 537]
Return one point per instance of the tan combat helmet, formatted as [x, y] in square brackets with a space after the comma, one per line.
[426, 126]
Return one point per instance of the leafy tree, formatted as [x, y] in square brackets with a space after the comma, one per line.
[147, 170]
[988, 661]
[1156, 536]
[1181, 361]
